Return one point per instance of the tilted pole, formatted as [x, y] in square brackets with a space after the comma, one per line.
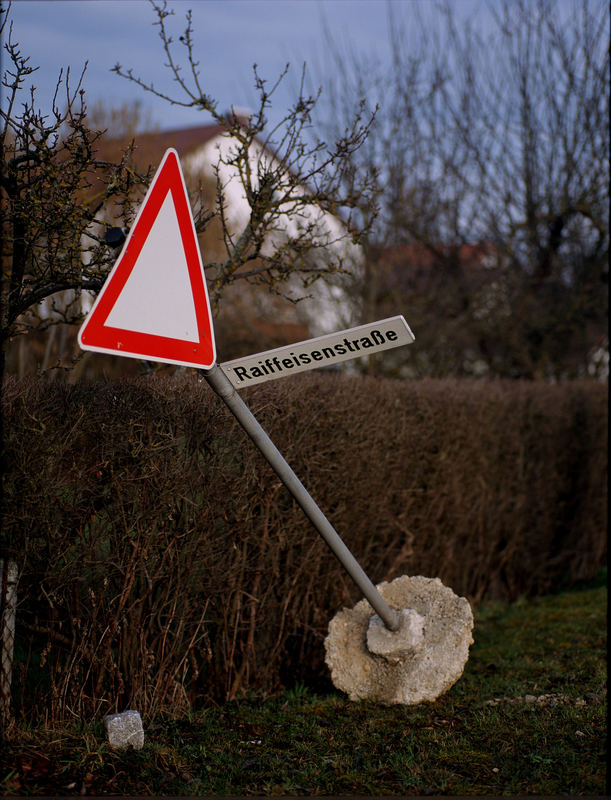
[217, 379]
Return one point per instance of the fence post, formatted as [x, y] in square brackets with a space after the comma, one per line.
[8, 609]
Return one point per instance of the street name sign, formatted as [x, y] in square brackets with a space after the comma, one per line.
[154, 304]
[322, 351]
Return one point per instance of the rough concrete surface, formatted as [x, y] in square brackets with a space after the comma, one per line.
[124, 730]
[395, 645]
[427, 658]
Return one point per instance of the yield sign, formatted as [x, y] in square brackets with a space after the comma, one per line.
[154, 304]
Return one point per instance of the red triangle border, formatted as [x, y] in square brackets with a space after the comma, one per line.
[97, 336]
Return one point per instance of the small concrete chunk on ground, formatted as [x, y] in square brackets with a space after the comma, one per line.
[418, 662]
[124, 730]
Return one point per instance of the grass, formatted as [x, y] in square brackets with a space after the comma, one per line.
[484, 737]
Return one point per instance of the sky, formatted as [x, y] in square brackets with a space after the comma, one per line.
[230, 36]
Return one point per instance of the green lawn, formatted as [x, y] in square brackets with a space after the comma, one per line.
[527, 717]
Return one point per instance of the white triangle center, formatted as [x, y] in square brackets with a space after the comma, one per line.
[157, 298]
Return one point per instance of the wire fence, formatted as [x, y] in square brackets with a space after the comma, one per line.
[8, 607]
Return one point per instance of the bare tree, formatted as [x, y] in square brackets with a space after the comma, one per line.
[53, 189]
[292, 195]
[60, 194]
[493, 178]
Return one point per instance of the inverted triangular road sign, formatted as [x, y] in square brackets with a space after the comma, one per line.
[154, 304]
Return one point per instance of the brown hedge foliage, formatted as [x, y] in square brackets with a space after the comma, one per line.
[163, 561]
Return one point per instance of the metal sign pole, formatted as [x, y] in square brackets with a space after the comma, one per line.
[217, 379]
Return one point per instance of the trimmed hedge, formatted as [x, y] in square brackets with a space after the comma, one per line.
[163, 561]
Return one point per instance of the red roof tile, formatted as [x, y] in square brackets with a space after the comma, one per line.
[183, 140]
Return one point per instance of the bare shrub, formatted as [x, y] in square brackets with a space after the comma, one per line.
[162, 561]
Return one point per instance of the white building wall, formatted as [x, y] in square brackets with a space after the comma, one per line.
[328, 304]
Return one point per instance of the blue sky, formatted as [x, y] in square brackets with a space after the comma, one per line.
[230, 36]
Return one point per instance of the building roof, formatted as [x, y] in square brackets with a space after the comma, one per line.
[470, 256]
[151, 145]
[183, 140]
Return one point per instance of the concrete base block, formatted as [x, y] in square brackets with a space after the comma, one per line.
[124, 730]
[395, 645]
[417, 663]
